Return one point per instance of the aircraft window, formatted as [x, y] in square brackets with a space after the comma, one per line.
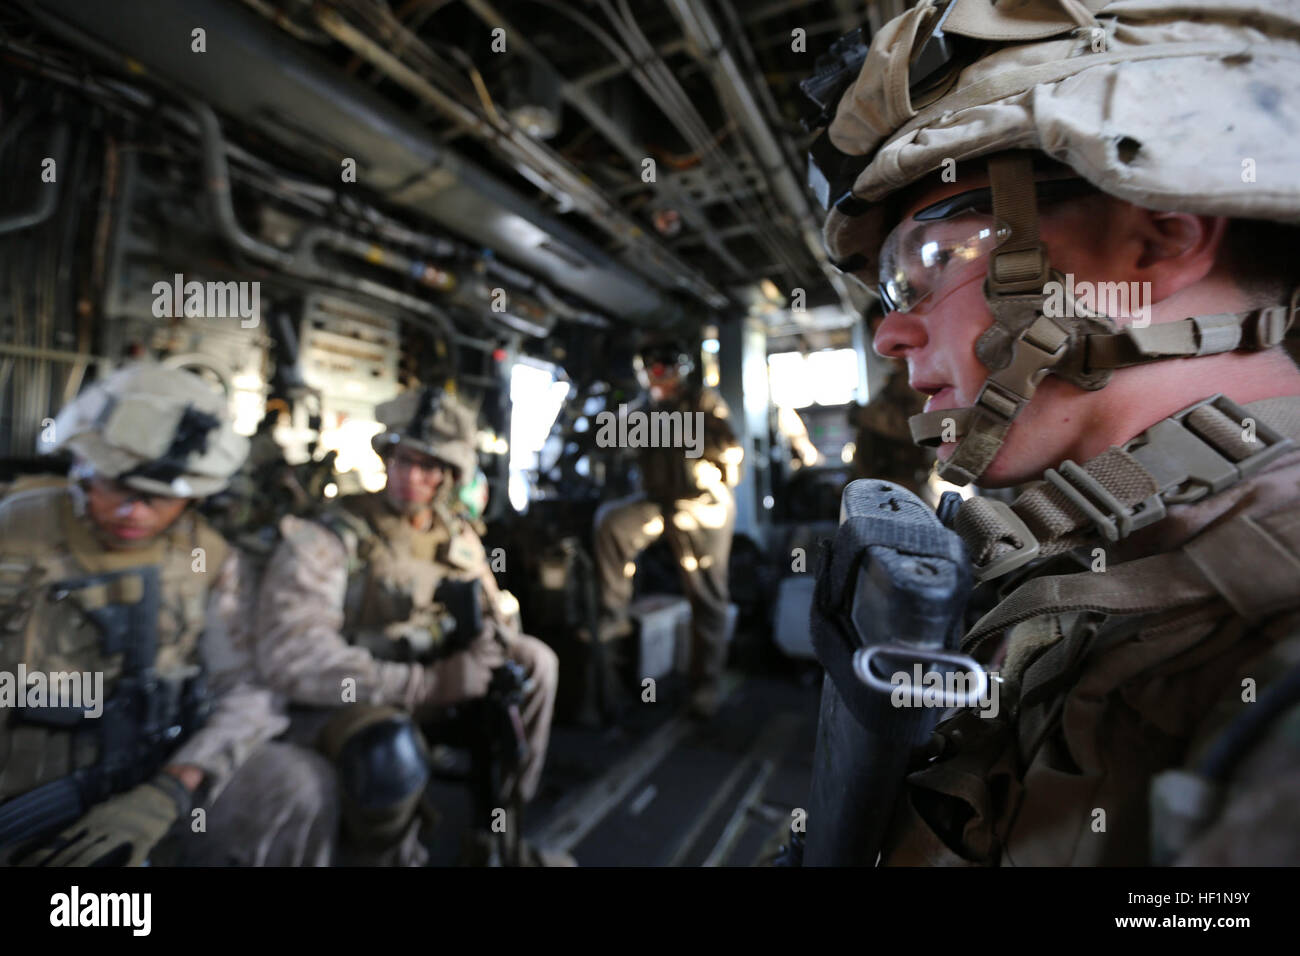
[788, 380]
[828, 377]
[350, 437]
[709, 357]
[536, 396]
[247, 403]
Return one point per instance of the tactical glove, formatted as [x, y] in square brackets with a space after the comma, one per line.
[120, 831]
[467, 674]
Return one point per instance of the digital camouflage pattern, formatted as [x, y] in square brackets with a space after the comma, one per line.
[327, 608]
[43, 541]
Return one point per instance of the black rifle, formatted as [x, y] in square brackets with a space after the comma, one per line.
[891, 595]
[496, 727]
[143, 721]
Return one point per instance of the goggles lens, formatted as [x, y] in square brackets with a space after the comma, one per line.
[918, 256]
[116, 494]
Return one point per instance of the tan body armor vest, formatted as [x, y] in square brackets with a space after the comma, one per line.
[42, 542]
[395, 569]
[1111, 675]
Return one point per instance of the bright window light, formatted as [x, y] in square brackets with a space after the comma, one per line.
[536, 397]
[829, 377]
[350, 437]
[834, 376]
[789, 380]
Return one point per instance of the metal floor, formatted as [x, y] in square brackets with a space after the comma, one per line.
[664, 790]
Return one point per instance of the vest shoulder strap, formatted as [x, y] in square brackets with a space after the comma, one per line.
[215, 546]
[356, 533]
[1199, 451]
[1251, 563]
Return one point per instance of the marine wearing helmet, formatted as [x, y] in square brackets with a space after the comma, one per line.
[1079, 216]
[112, 574]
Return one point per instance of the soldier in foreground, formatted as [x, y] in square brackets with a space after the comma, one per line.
[351, 606]
[113, 575]
[1143, 591]
[689, 500]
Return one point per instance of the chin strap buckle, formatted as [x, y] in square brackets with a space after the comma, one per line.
[1036, 352]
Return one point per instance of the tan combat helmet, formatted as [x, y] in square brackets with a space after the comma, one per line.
[160, 430]
[434, 422]
[1187, 106]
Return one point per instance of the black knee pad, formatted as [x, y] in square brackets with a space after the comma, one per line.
[383, 766]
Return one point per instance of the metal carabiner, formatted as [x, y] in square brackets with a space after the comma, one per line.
[863, 659]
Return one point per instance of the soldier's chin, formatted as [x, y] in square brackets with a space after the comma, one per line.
[409, 507]
[116, 542]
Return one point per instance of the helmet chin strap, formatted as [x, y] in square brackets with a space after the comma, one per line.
[1023, 345]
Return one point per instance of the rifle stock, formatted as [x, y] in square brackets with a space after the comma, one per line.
[895, 580]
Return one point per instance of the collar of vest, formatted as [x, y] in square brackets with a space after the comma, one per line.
[1196, 452]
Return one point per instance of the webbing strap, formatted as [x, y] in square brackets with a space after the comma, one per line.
[980, 429]
[1049, 517]
[1018, 271]
[1020, 263]
[1207, 567]
[977, 449]
[933, 428]
[1199, 335]
[1200, 450]
[1270, 580]
[1034, 353]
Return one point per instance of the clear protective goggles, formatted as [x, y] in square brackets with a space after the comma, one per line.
[921, 253]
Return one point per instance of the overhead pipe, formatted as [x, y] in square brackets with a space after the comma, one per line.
[699, 27]
[577, 97]
[47, 197]
[216, 175]
[663, 87]
[302, 262]
[292, 95]
[555, 174]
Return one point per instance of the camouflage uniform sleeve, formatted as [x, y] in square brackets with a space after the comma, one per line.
[300, 647]
[245, 714]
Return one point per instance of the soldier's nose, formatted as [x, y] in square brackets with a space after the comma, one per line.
[897, 333]
[132, 509]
